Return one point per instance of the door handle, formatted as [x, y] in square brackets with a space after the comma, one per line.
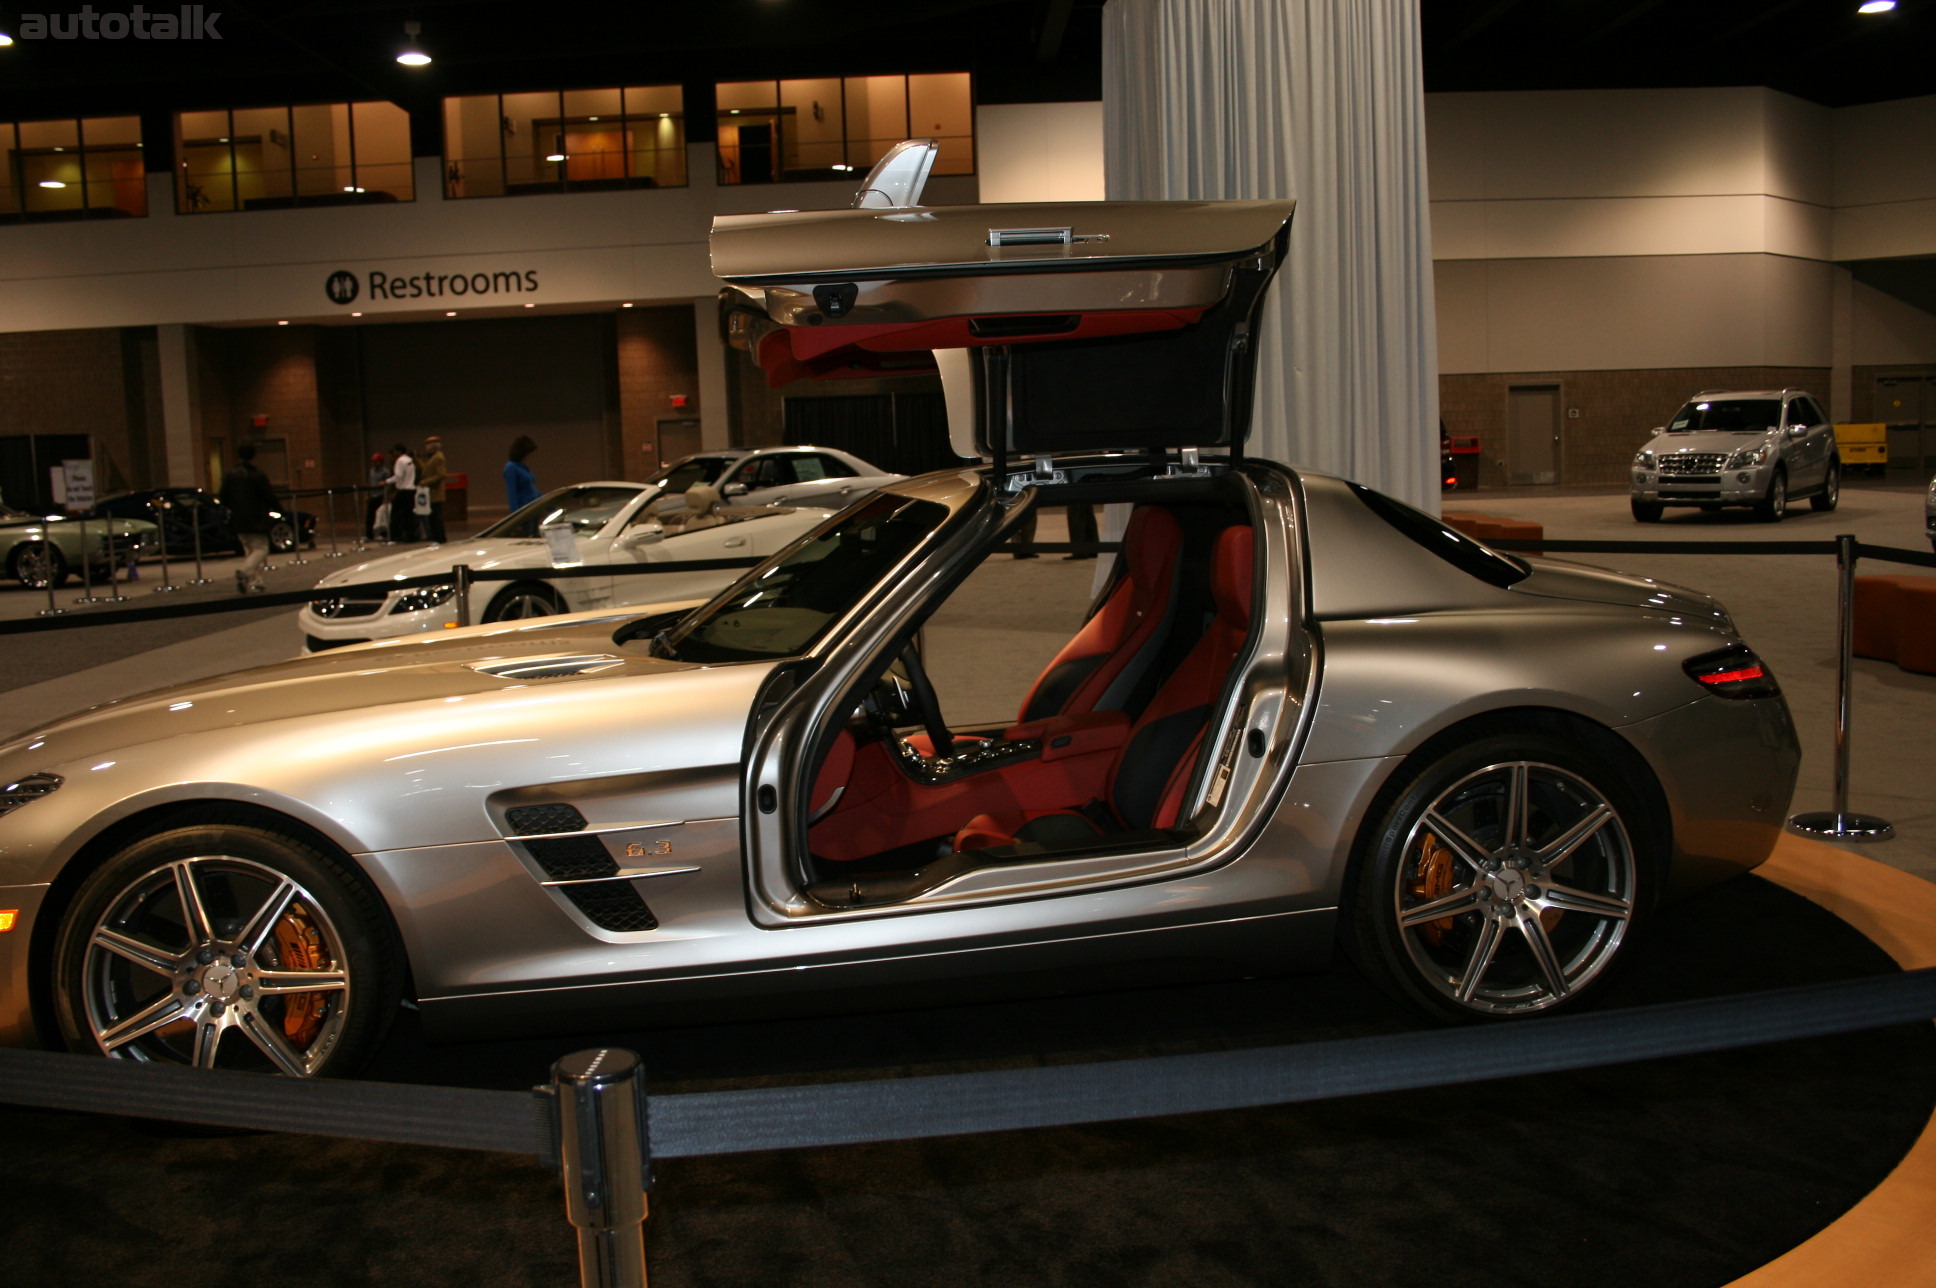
[734, 543]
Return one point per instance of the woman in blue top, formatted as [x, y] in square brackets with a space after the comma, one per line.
[520, 487]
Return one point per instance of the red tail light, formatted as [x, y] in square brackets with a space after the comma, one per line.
[1733, 673]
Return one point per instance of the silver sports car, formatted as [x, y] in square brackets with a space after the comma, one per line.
[1299, 714]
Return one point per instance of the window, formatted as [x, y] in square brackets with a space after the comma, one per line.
[831, 127]
[272, 158]
[85, 169]
[575, 140]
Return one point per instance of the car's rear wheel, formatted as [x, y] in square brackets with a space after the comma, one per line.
[1647, 511]
[1831, 492]
[282, 536]
[524, 599]
[223, 946]
[1502, 880]
[1772, 507]
[38, 564]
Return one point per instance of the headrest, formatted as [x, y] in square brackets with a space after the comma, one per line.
[1230, 575]
[702, 498]
[1150, 541]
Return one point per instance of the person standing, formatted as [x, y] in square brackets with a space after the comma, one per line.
[403, 496]
[379, 480]
[431, 474]
[520, 485]
[250, 498]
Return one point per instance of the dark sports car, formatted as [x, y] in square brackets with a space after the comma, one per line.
[179, 510]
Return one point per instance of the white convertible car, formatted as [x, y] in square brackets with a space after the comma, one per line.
[604, 525]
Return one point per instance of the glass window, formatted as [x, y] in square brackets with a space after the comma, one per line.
[828, 128]
[77, 169]
[564, 141]
[586, 509]
[271, 158]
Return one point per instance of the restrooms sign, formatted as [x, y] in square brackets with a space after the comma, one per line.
[345, 288]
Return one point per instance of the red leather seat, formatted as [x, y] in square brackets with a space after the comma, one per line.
[1152, 772]
[1099, 668]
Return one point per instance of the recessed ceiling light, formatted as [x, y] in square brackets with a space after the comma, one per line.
[52, 183]
[354, 188]
[413, 55]
[1877, 6]
[5, 40]
[626, 305]
[531, 306]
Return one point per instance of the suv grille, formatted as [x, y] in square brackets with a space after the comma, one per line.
[346, 606]
[1693, 463]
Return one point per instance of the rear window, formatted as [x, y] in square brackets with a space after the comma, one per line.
[1457, 549]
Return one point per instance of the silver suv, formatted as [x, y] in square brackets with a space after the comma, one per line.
[1758, 447]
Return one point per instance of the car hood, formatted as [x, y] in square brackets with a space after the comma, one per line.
[500, 552]
[1705, 440]
[1560, 579]
[454, 666]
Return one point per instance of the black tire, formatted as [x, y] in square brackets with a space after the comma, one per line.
[1831, 493]
[1773, 507]
[1523, 932]
[32, 563]
[523, 599]
[282, 537]
[140, 975]
[1647, 511]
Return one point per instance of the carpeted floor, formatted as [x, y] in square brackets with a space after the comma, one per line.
[1684, 1172]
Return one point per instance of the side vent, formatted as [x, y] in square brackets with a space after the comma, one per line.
[538, 820]
[573, 858]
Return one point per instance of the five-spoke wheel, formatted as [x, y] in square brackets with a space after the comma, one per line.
[223, 947]
[523, 599]
[1504, 881]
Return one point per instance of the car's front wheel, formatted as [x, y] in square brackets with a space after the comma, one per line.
[1503, 880]
[282, 536]
[38, 564]
[1831, 492]
[1647, 511]
[1772, 507]
[524, 599]
[225, 946]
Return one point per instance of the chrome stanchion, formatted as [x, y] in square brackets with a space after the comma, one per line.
[334, 553]
[1838, 824]
[461, 574]
[87, 565]
[606, 1161]
[48, 555]
[361, 543]
[195, 526]
[296, 559]
[161, 526]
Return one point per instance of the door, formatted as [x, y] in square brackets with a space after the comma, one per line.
[1907, 405]
[1533, 434]
[678, 437]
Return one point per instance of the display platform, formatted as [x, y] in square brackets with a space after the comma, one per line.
[1803, 1163]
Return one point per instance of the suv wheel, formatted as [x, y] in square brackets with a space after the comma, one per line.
[1772, 507]
[1831, 489]
[1647, 511]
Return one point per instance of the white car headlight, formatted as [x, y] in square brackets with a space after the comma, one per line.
[415, 601]
[1749, 456]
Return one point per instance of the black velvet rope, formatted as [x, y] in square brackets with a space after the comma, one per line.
[819, 1115]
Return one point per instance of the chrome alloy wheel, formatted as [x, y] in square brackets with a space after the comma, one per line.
[1516, 888]
[199, 949]
[522, 600]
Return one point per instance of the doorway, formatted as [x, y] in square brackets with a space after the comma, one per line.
[1532, 434]
[1907, 405]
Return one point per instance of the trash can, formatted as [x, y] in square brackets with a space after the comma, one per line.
[457, 491]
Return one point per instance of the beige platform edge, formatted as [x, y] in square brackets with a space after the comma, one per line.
[1889, 1238]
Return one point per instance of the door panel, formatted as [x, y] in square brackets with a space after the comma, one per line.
[1533, 434]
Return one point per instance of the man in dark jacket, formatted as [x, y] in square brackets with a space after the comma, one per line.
[250, 498]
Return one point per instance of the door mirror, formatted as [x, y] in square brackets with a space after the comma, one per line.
[735, 489]
[644, 534]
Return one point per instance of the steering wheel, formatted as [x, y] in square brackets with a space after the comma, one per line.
[903, 693]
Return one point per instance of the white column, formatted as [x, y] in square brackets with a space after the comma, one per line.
[181, 405]
[1321, 101]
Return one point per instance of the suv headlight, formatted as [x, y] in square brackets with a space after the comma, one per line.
[415, 601]
[1749, 456]
[27, 790]
[1644, 459]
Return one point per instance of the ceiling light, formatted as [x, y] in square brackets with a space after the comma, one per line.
[5, 40]
[555, 157]
[356, 315]
[626, 305]
[413, 54]
[531, 306]
[451, 314]
[353, 188]
[1877, 6]
[282, 321]
[52, 183]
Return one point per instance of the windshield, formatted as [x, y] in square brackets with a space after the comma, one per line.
[1728, 415]
[786, 609]
[586, 509]
[680, 475]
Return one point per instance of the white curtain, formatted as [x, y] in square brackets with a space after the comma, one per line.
[1320, 100]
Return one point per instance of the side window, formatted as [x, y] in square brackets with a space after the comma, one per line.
[807, 467]
[1803, 412]
[775, 471]
[748, 474]
[1816, 416]
[832, 467]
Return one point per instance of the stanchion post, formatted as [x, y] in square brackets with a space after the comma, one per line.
[161, 529]
[296, 559]
[195, 528]
[47, 565]
[334, 553]
[461, 593]
[1838, 824]
[87, 565]
[606, 1159]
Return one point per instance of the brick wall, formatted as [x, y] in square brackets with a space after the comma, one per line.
[658, 356]
[1617, 410]
[76, 382]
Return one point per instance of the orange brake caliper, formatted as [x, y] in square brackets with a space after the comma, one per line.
[1432, 879]
[301, 948]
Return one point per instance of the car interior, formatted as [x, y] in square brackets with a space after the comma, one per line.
[1098, 746]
